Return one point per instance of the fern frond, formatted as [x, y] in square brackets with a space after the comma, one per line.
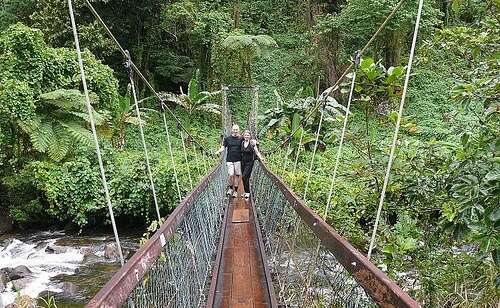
[60, 145]
[78, 133]
[65, 99]
[99, 118]
[28, 126]
[42, 136]
[212, 108]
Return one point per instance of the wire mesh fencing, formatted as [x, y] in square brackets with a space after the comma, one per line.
[172, 268]
[179, 277]
[304, 271]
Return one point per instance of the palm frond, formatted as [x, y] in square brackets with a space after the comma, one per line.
[212, 108]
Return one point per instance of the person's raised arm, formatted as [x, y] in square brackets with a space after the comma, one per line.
[222, 147]
[253, 142]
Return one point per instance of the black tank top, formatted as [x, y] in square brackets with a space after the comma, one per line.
[247, 153]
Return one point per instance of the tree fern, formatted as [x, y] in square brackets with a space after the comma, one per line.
[78, 133]
[59, 146]
[42, 136]
[65, 99]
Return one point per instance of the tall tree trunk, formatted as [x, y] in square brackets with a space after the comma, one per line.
[237, 14]
[445, 4]
[393, 46]
[333, 67]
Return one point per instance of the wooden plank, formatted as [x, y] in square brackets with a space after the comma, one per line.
[241, 215]
[244, 283]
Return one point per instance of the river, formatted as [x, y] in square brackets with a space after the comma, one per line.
[69, 268]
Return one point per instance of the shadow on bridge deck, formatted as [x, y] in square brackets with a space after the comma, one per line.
[241, 274]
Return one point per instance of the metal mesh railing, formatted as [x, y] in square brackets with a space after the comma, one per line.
[310, 264]
[172, 269]
[178, 278]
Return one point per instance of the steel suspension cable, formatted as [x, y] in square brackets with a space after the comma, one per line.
[139, 73]
[197, 162]
[311, 165]
[296, 161]
[342, 136]
[188, 165]
[357, 59]
[94, 131]
[398, 123]
[169, 144]
[143, 140]
[329, 91]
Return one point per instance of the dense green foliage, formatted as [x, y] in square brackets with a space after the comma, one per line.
[440, 228]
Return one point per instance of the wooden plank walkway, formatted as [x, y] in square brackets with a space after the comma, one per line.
[241, 281]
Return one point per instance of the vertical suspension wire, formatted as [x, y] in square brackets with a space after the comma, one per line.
[143, 139]
[311, 165]
[186, 159]
[226, 118]
[255, 110]
[197, 162]
[204, 159]
[296, 161]
[357, 59]
[398, 124]
[94, 132]
[342, 136]
[172, 160]
[285, 159]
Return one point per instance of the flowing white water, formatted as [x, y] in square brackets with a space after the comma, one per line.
[43, 266]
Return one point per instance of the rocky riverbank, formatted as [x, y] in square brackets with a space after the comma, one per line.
[70, 269]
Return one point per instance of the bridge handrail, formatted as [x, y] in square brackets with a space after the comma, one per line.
[118, 289]
[384, 291]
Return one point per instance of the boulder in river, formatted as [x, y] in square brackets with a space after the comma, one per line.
[4, 279]
[22, 283]
[23, 301]
[111, 251]
[56, 249]
[18, 272]
[69, 289]
[87, 251]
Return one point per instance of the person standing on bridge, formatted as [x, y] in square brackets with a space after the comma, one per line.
[233, 158]
[249, 153]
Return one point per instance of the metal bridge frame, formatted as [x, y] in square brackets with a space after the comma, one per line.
[252, 118]
[122, 284]
[381, 288]
[383, 291]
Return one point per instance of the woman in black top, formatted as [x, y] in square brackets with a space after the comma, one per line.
[249, 152]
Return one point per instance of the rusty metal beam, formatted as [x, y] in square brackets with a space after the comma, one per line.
[217, 265]
[121, 285]
[262, 253]
[385, 292]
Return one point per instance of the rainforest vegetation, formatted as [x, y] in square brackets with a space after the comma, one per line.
[440, 229]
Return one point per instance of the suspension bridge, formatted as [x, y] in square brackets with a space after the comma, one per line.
[270, 251]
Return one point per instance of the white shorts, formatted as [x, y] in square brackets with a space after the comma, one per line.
[234, 168]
